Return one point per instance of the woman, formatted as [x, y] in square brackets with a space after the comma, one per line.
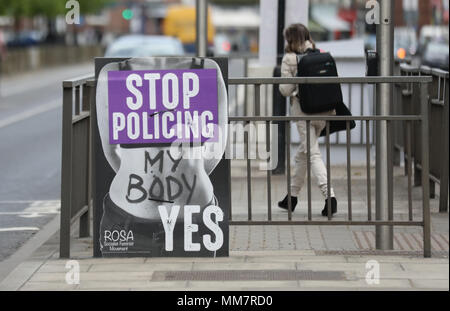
[299, 41]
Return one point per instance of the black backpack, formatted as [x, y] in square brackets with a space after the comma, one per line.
[316, 98]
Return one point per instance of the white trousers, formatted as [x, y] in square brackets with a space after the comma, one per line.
[318, 169]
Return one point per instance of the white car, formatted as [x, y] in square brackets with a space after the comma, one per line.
[144, 46]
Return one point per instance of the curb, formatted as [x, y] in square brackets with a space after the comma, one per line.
[17, 269]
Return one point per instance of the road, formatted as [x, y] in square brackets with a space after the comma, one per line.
[30, 152]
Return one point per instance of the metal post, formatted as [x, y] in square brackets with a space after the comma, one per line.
[288, 161]
[84, 224]
[443, 200]
[279, 104]
[269, 172]
[280, 29]
[201, 27]
[257, 109]
[385, 43]
[66, 175]
[248, 140]
[425, 171]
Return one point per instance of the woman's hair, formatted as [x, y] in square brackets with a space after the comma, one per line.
[296, 35]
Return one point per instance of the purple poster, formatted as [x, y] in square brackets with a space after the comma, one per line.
[162, 106]
[159, 170]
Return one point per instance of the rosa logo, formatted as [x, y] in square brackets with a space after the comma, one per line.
[119, 236]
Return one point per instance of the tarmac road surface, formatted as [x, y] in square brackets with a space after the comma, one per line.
[30, 152]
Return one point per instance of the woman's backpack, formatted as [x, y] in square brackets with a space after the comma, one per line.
[339, 125]
[317, 98]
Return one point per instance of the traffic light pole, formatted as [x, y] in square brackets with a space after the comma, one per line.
[201, 37]
[385, 49]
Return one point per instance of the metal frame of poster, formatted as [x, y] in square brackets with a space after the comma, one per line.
[156, 192]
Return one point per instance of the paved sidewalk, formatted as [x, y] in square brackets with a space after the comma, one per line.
[243, 270]
[327, 237]
[266, 257]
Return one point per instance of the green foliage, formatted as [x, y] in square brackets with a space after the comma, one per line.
[15, 8]
[48, 8]
[93, 6]
[235, 2]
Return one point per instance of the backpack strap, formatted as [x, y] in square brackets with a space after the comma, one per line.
[299, 57]
[307, 52]
[313, 51]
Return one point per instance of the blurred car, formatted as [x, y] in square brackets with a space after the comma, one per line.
[436, 55]
[180, 23]
[144, 45]
[26, 38]
[222, 45]
[370, 42]
[405, 42]
[430, 33]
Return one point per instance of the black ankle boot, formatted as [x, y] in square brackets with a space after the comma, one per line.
[284, 204]
[333, 207]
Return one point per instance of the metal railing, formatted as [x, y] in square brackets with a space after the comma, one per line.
[438, 107]
[79, 97]
[421, 117]
[357, 96]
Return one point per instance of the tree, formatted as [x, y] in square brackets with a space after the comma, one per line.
[235, 2]
[46, 8]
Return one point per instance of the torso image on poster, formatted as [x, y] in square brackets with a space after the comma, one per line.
[140, 110]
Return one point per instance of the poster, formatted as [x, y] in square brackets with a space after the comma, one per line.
[161, 132]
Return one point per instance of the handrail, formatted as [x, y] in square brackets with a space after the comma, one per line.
[329, 80]
[409, 68]
[440, 73]
[326, 118]
[83, 115]
[77, 81]
[426, 70]
[89, 79]
[91, 82]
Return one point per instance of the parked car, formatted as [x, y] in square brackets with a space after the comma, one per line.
[405, 42]
[222, 45]
[180, 23]
[144, 45]
[26, 39]
[370, 42]
[436, 54]
[430, 33]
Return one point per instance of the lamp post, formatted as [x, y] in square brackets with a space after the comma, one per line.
[385, 49]
[201, 21]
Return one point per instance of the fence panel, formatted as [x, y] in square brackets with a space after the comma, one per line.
[75, 164]
[76, 151]
[438, 130]
[418, 116]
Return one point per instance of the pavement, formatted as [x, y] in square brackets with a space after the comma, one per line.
[30, 149]
[273, 258]
[261, 257]
[242, 270]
